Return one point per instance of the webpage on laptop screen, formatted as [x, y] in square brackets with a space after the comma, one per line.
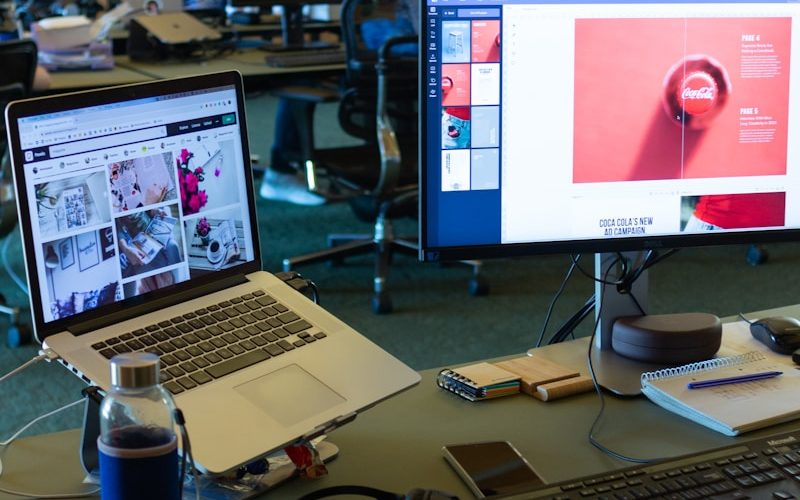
[130, 197]
[552, 121]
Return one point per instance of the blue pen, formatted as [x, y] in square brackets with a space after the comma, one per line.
[732, 380]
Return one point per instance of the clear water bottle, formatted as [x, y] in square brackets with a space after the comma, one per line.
[137, 445]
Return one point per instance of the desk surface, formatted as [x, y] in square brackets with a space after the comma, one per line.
[396, 445]
[250, 62]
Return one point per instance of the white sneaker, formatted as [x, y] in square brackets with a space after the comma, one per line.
[288, 187]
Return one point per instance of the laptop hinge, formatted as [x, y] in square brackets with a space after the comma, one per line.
[155, 305]
[329, 427]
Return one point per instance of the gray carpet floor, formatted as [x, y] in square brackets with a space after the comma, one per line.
[436, 322]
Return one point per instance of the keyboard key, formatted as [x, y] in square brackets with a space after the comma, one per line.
[179, 343]
[253, 305]
[147, 340]
[191, 338]
[280, 307]
[152, 328]
[247, 296]
[194, 351]
[297, 343]
[182, 355]
[214, 330]
[196, 324]
[225, 353]
[201, 311]
[206, 346]
[175, 371]
[160, 336]
[113, 341]
[126, 336]
[213, 307]
[200, 362]
[135, 344]
[280, 332]
[154, 350]
[172, 332]
[122, 348]
[247, 345]
[185, 328]
[297, 326]
[226, 326]
[236, 349]
[269, 337]
[165, 323]
[201, 377]
[189, 315]
[247, 318]
[248, 359]
[139, 332]
[169, 360]
[108, 353]
[208, 320]
[321, 335]
[187, 383]
[188, 367]
[174, 387]
[212, 357]
[259, 341]
[203, 334]
[265, 300]
[236, 300]
[218, 342]
[176, 320]
[241, 334]
[166, 347]
[259, 315]
[273, 350]
[238, 323]
[230, 338]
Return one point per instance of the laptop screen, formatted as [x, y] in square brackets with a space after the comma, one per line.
[133, 193]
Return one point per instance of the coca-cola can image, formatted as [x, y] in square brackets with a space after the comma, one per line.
[696, 89]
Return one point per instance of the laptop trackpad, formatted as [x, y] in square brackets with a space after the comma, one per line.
[290, 395]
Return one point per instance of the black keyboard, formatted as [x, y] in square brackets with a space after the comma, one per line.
[307, 58]
[762, 468]
[211, 342]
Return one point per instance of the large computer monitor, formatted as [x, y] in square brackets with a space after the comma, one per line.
[569, 126]
[292, 19]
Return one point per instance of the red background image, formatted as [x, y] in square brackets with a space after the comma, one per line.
[484, 41]
[621, 131]
[458, 94]
[739, 211]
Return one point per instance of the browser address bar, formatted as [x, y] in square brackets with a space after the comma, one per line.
[107, 141]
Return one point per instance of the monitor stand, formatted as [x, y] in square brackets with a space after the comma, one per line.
[293, 34]
[614, 372]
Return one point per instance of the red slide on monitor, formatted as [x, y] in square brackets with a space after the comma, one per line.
[730, 76]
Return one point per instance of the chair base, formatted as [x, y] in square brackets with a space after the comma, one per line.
[348, 245]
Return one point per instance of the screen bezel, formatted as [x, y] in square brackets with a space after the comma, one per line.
[77, 100]
[431, 253]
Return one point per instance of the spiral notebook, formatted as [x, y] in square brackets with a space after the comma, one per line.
[479, 381]
[731, 408]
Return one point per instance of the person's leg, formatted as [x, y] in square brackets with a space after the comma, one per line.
[282, 180]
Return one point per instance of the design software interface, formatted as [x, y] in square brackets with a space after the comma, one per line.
[125, 199]
[550, 121]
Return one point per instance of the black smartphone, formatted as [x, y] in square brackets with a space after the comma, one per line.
[492, 468]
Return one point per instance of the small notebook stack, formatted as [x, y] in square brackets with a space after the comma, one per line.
[479, 381]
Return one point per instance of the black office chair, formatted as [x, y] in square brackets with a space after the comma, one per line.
[16, 81]
[379, 177]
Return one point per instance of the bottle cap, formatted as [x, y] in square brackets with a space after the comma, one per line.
[134, 369]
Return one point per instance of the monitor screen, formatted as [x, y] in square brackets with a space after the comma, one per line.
[568, 126]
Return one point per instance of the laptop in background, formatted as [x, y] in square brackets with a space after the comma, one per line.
[139, 226]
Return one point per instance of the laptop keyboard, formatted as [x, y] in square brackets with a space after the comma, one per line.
[217, 340]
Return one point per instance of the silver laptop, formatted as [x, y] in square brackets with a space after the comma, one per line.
[139, 226]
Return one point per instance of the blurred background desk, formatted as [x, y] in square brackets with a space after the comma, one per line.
[250, 62]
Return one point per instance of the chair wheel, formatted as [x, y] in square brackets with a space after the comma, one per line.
[478, 286]
[756, 255]
[17, 335]
[381, 303]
